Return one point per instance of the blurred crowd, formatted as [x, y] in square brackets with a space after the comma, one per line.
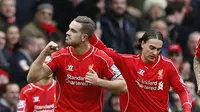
[26, 26]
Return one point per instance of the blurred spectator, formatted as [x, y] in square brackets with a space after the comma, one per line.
[22, 59]
[192, 41]
[43, 25]
[153, 10]
[118, 27]
[4, 79]
[41, 44]
[3, 62]
[67, 10]
[7, 15]
[161, 26]
[12, 39]
[174, 52]
[10, 95]
[195, 99]
[176, 104]
[113, 104]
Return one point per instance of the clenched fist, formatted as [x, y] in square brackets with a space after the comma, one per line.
[50, 47]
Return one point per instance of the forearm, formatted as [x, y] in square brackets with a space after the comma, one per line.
[196, 66]
[185, 101]
[113, 86]
[36, 70]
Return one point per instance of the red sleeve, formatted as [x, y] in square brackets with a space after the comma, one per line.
[51, 61]
[22, 105]
[110, 71]
[179, 87]
[96, 42]
[198, 49]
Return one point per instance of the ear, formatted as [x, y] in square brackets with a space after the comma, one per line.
[142, 44]
[84, 37]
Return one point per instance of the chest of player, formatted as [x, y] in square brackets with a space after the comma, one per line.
[42, 101]
[76, 69]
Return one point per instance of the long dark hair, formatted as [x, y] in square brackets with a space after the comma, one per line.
[149, 34]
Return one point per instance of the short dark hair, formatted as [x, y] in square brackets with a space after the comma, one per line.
[25, 41]
[5, 89]
[150, 34]
[88, 25]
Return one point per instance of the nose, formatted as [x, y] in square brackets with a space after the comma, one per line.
[67, 33]
[155, 52]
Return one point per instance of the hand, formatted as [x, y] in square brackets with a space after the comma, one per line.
[50, 48]
[91, 77]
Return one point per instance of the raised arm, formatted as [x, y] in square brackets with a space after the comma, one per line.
[96, 42]
[196, 66]
[38, 69]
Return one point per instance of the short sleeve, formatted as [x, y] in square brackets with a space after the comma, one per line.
[50, 61]
[111, 71]
[21, 106]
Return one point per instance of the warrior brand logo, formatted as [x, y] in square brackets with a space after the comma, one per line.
[36, 99]
[141, 72]
[70, 68]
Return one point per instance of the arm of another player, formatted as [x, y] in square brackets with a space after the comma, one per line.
[196, 66]
[38, 70]
[116, 84]
[96, 42]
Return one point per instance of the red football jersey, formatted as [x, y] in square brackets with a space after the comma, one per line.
[198, 49]
[37, 98]
[148, 84]
[73, 93]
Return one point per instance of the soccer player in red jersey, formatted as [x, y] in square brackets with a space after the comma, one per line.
[148, 75]
[82, 71]
[196, 66]
[38, 97]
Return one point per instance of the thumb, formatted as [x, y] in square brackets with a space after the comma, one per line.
[91, 70]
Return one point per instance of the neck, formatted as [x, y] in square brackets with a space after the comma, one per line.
[82, 48]
[45, 81]
[144, 59]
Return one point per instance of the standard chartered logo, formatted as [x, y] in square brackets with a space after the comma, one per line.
[150, 85]
[160, 85]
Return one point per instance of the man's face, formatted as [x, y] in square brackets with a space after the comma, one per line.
[12, 94]
[2, 40]
[151, 49]
[13, 35]
[74, 34]
[192, 42]
[45, 16]
[8, 8]
[162, 27]
[119, 6]
[176, 57]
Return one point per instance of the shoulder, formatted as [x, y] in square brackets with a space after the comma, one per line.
[167, 62]
[26, 89]
[101, 54]
[62, 52]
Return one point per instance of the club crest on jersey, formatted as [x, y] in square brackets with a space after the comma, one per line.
[141, 72]
[70, 68]
[160, 74]
[90, 66]
[36, 99]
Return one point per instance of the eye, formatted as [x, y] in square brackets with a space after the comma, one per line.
[151, 47]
